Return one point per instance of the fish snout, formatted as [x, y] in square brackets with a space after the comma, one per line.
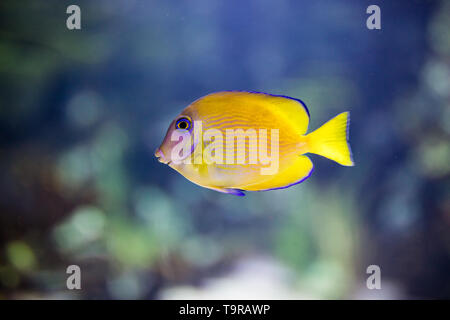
[160, 156]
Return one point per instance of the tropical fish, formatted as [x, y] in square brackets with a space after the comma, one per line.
[236, 141]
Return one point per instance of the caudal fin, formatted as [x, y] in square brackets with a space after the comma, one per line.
[330, 140]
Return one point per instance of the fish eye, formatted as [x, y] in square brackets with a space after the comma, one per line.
[183, 124]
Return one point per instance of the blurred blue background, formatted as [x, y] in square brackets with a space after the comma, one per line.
[82, 111]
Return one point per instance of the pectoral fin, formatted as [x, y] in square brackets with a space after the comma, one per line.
[236, 192]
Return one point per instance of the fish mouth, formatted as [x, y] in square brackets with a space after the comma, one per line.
[161, 158]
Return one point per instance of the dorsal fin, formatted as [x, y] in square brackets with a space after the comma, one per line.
[293, 111]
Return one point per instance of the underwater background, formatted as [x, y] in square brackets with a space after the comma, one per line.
[82, 111]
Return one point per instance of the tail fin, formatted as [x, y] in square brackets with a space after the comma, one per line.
[330, 140]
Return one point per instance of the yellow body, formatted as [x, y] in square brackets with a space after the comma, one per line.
[247, 110]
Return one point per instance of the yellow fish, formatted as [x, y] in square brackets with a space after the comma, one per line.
[235, 141]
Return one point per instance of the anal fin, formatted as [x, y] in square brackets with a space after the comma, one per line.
[297, 172]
